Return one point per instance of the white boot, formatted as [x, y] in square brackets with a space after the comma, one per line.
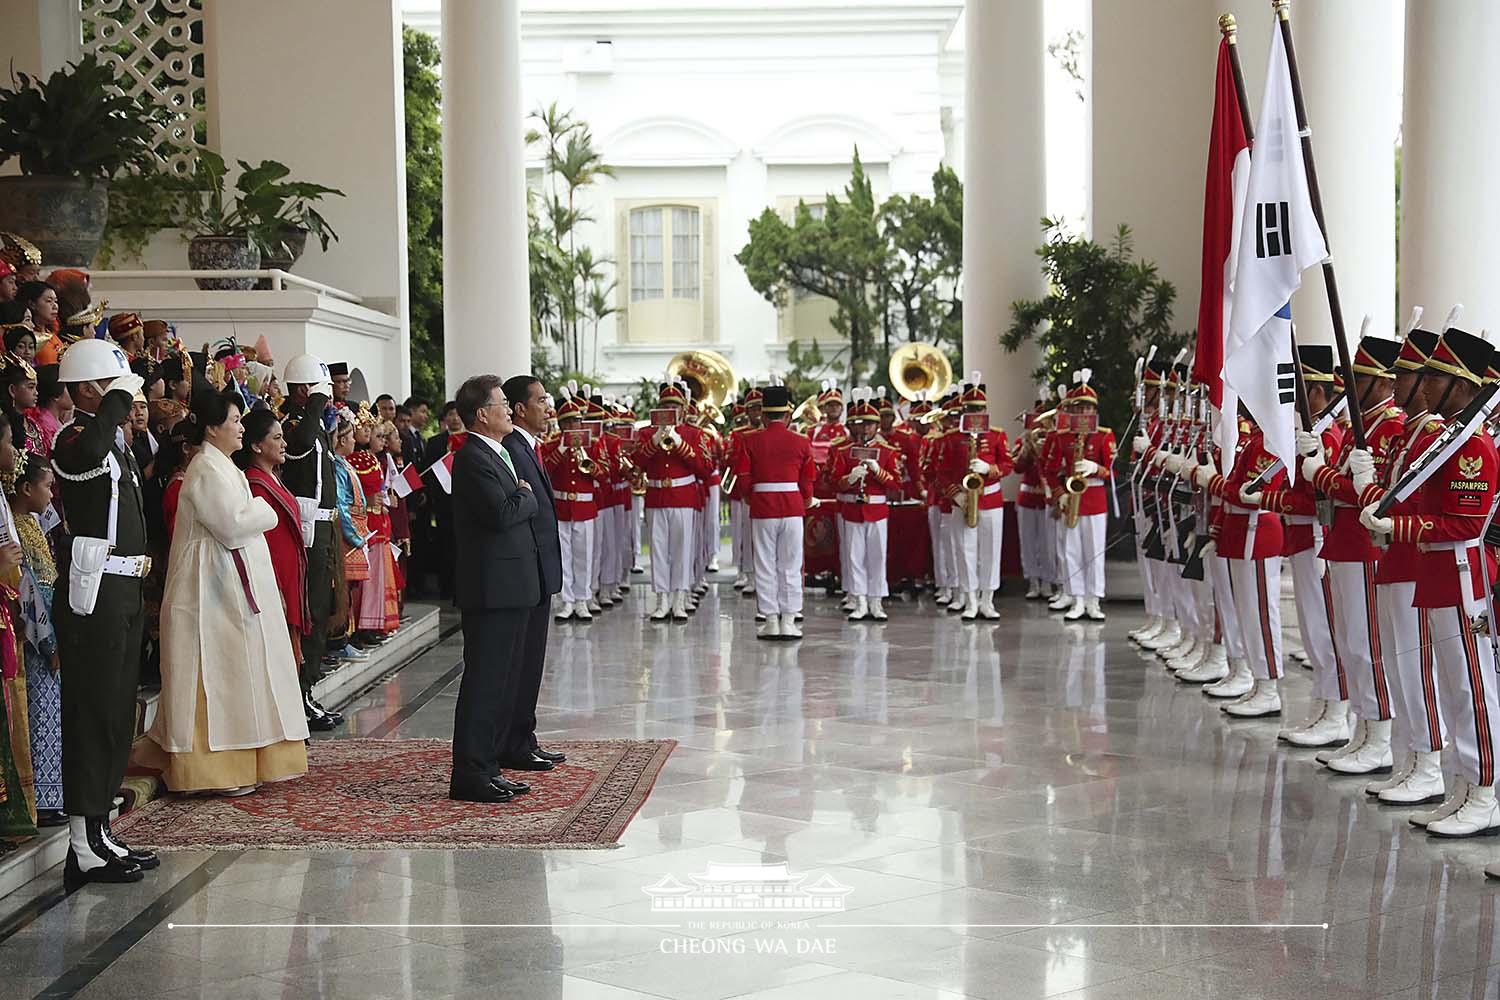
[564, 612]
[941, 595]
[679, 606]
[1457, 792]
[1183, 647]
[1169, 636]
[971, 606]
[1316, 710]
[1400, 771]
[1264, 701]
[1060, 601]
[1034, 591]
[592, 606]
[1422, 784]
[1479, 816]
[877, 612]
[1092, 611]
[740, 580]
[860, 611]
[1153, 625]
[1373, 755]
[1356, 738]
[581, 612]
[789, 627]
[771, 629]
[987, 606]
[847, 604]
[663, 607]
[957, 599]
[1240, 681]
[1213, 667]
[1076, 611]
[1188, 659]
[1330, 730]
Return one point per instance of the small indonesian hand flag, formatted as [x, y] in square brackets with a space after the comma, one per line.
[442, 470]
[408, 481]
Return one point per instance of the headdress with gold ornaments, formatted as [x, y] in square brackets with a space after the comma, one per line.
[16, 251]
[14, 362]
[366, 417]
[9, 479]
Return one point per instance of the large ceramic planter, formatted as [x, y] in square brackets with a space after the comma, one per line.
[63, 216]
[223, 253]
[293, 241]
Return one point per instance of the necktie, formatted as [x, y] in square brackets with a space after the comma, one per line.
[505, 457]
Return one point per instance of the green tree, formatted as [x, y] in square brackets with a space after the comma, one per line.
[1102, 308]
[926, 237]
[424, 211]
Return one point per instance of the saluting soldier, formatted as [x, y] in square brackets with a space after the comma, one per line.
[99, 608]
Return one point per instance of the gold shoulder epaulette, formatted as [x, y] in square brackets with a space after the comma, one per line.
[1105, 430]
[1433, 425]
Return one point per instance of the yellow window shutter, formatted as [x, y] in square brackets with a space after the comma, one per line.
[708, 256]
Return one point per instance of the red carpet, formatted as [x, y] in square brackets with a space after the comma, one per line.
[393, 795]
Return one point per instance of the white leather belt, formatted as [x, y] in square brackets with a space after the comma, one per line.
[667, 484]
[1448, 546]
[856, 498]
[1028, 488]
[136, 566]
[576, 497]
[1299, 518]
[1094, 482]
[991, 489]
[777, 487]
[325, 514]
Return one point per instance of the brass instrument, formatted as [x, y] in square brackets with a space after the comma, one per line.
[585, 464]
[919, 368]
[806, 413]
[1074, 485]
[972, 484]
[671, 440]
[708, 375]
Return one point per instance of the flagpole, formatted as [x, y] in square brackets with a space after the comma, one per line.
[1230, 31]
[1283, 9]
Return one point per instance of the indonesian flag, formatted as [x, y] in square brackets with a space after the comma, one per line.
[442, 471]
[408, 481]
[1279, 238]
[1223, 205]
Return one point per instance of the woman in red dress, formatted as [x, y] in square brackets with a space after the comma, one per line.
[261, 453]
[376, 613]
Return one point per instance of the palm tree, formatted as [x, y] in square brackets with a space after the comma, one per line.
[598, 307]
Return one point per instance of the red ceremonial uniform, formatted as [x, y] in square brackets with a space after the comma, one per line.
[875, 484]
[953, 463]
[1248, 533]
[576, 494]
[776, 455]
[825, 437]
[1451, 506]
[1298, 503]
[1401, 561]
[1346, 540]
[937, 496]
[908, 444]
[1057, 466]
[673, 478]
[1032, 493]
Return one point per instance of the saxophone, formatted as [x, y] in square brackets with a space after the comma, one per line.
[1074, 485]
[972, 484]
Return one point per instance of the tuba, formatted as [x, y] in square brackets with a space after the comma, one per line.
[919, 368]
[708, 375]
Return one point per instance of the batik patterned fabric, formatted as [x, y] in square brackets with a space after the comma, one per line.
[43, 684]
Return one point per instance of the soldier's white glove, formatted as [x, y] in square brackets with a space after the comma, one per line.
[1250, 499]
[1172, 463]
[129, 384]
[1161, 458]
[1379, 525]
[858, 473]
[1311, 464]
[1085, 467]
[1203, 475]
[1309, 443]
[1210, 550]
[1140, 443]
[872, 465]
[1361, 468]
[324, 389]
[979, 467]
[659, 436]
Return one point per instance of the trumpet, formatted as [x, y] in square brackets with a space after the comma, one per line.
[585, 464]
[972, 484]
[671, 440]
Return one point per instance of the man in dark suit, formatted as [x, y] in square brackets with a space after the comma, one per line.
[497, 581]
[439, 559]
[530, 409]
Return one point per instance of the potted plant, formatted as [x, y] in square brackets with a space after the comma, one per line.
[285, 209]
[222, 235]
[72, 133]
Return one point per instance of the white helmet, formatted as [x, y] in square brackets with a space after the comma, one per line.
[305, 369]
[92, 360]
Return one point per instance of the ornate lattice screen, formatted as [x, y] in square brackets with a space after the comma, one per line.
[158, 46]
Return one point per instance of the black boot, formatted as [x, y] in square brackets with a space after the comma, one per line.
[337, 717]
[317, 720]
[115, 869]
[145, 859]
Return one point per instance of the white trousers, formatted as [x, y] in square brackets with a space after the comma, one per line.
[1083, 556]
[1407, 643]
[1466, 685]
[866, 562]
[674, 548]
[577, 541]
[1314, 596]
[737, 533]
[778, 564]
[1257, 599]
[942, 562]
[1230, 633]
[1158, 582]
[1060, 551]
[613, 525]
[637, 518]
[711, 526]
[1356, 639]
[1038, 554]
[976, 550]
[603, 525]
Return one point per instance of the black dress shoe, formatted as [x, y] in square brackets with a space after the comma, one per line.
[337, 717]
[146, 859]
[116, 871]
[320, 723]
[531, 762]
[487, 793]
[556, 758]
[506, 785]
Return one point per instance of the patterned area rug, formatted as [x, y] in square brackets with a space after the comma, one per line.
[393, 795]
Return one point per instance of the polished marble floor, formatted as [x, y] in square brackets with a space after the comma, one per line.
[1010, 807]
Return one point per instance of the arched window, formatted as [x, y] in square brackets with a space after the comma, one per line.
[668, 292]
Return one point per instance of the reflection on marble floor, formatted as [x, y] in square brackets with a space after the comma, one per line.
[988, 794]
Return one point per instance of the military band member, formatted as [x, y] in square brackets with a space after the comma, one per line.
[865, 469]
[1457, 569]
[982, 456]
[944, 418]
[777, 463]
[575, 470]
[1034, 528]
[605, 577]
[98, 609]
[739, 505]
[676, 464]
[1083, 457]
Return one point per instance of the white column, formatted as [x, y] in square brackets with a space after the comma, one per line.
[486, 319]
[1004, 189]
[1450, 207]
[1349, 54]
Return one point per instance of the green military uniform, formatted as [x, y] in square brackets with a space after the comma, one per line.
[100, 653]
[309, 460]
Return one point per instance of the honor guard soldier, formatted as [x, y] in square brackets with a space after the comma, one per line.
[1033, 527]
[739, 493]
[1078, 481]
[972, 461]
[573, 463]
[777, 463]
[1351, 558]
[1149, 448]
[672, 455]
[1452, 508]
[99, 609]
[944, 418]
[865, 470]
[308, 473]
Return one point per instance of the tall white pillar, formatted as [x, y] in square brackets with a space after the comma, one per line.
[1349, 54]
[1005, 187]
[1450, 207]
[486, 319]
